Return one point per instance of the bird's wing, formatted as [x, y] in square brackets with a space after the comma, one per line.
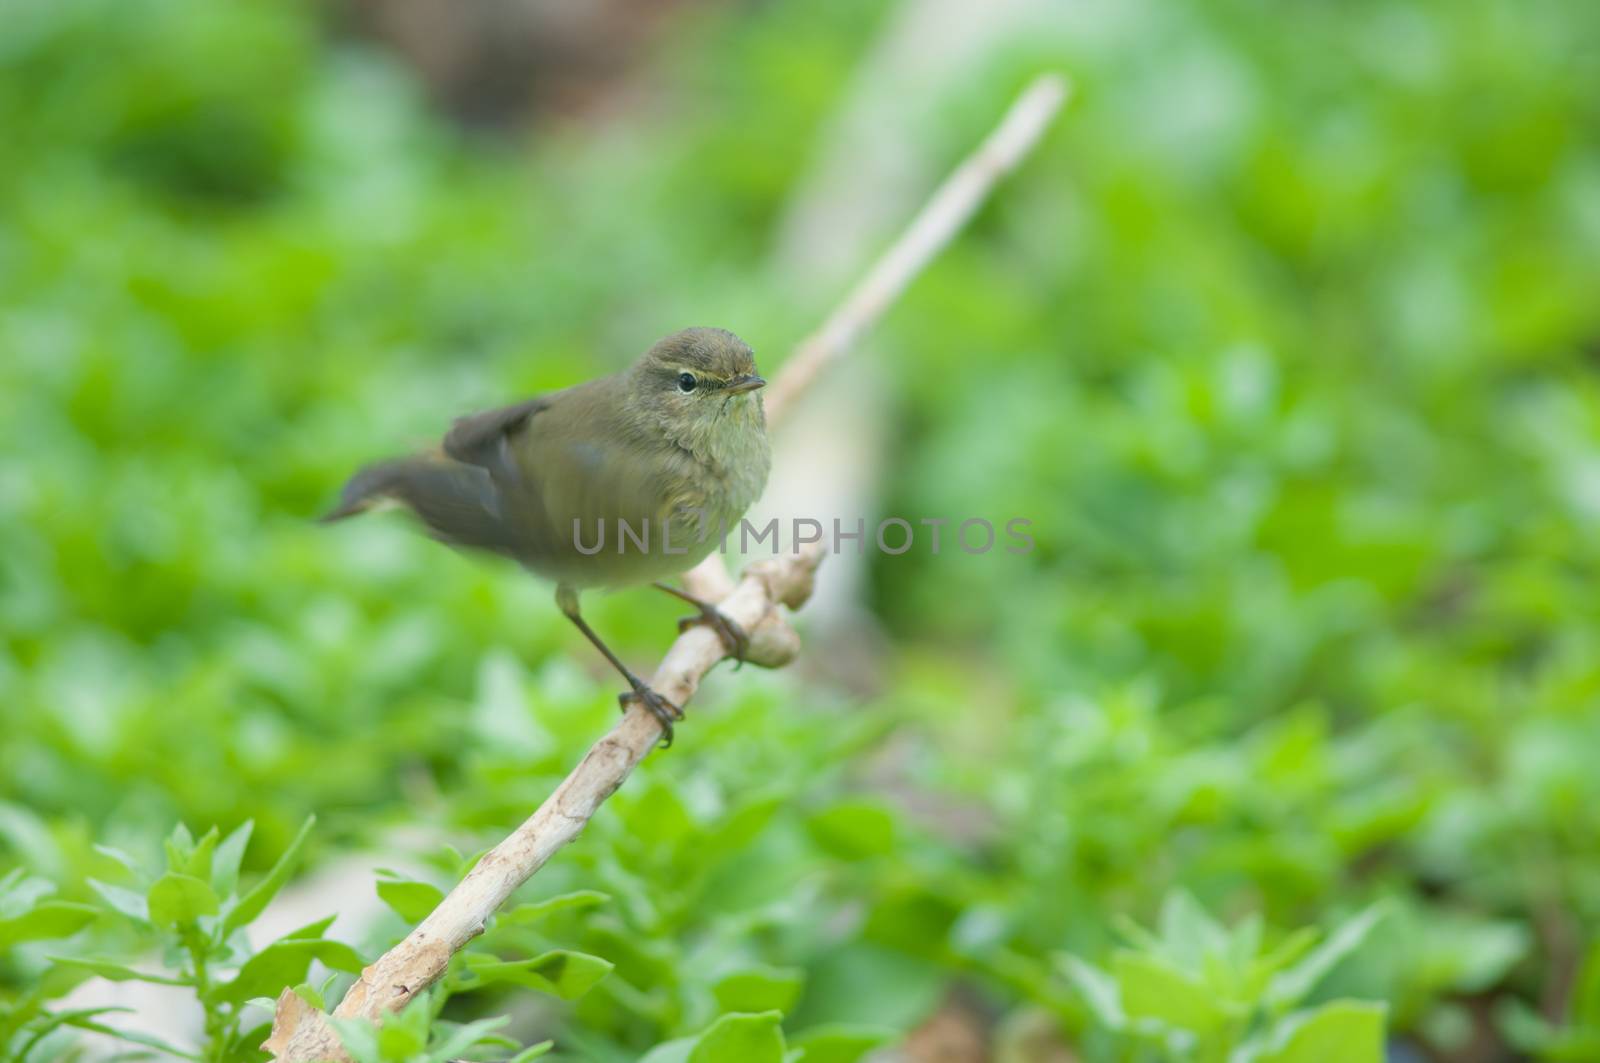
[483, 438]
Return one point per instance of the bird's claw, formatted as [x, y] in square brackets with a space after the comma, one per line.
[733, 636]
[665, 712]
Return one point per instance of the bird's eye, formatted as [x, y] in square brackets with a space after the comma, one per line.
[686, 381]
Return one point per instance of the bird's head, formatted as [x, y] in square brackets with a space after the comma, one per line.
[699, 377]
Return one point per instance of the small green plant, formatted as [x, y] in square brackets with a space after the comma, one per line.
[415, 1035]
[1198, 991]
[29, 913]
[193, 915]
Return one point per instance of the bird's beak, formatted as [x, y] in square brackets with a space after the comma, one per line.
[740, 384]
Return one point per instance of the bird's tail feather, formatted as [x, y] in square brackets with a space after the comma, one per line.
[458, 503]
[368, 489]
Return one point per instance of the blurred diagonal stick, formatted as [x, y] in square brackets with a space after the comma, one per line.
[941, 218]
[301, 1032]
[955, 201]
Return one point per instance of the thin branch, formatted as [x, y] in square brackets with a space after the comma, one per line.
[946, 212]
[940, 219]
[301, 1032]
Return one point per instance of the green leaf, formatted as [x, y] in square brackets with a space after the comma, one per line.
[1151, 988]
[51, 919]
[741, 1039]
[759, 989]
[410, 900]
[229, 855]
[1188, 933]
[1099, 990]
[316, 996]
[523, 914]
[311, 930]
[177, 899]
[359, 1037]
[674, 1051]
[1349, 1031]
[1289, 950]
[561, 973]
[841, 1042]
[133, 1037]
[1291, 986]
[42, 1024]
[532, 1052]
[416, 1017]
[255, 902]
[113, 971]
[402, 1040]
[304, 990]
[198, 863]
[464, 1037]
[282, 964]
[179, 845]
[127, 862]
[131, 904]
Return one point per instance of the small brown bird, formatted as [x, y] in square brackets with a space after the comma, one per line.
[626, 479]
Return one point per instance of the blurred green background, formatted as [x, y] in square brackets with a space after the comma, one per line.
[1286, 339]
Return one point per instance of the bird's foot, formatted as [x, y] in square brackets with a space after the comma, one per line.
[732, 634]
[665, 712]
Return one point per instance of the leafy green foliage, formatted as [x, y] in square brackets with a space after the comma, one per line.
[413, 1036]
[27, 915]
[1284, 342]
[563, 974]
[193, 922]
[199, 927]
[1198, 991]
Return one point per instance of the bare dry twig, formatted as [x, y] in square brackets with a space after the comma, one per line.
[939, 220]
[302, 1033]
[946, 211]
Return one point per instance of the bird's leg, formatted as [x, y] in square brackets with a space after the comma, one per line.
[733, 636]
[663, 710]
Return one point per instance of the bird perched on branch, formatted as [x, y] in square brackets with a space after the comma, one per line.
[627, 479]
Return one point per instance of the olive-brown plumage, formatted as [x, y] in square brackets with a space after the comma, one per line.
[675, 444]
